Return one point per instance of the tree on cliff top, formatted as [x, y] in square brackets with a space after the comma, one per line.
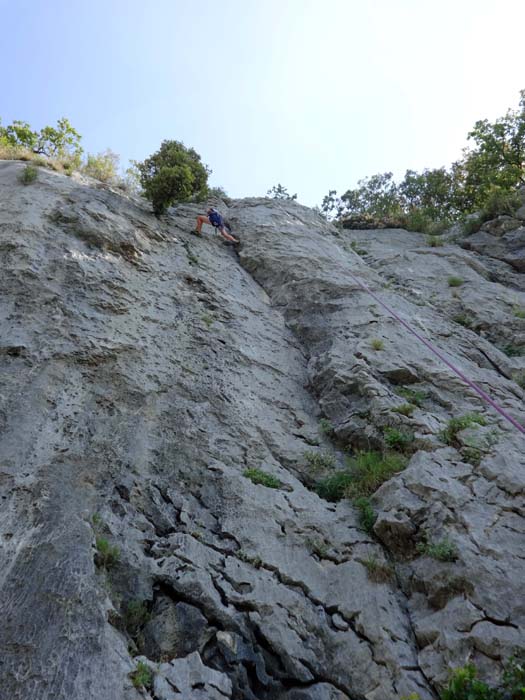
[62, 141]
[173, 174]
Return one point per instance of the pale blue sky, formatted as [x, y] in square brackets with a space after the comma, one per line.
[314, 94]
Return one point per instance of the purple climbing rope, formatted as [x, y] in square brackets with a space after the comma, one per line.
[436, 352]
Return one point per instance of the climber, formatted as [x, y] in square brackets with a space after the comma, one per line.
[215, 219]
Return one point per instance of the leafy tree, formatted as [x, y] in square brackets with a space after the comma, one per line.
[280, 192]
[60, 142]
[173, 174]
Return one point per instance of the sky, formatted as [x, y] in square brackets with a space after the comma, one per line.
[312, 94]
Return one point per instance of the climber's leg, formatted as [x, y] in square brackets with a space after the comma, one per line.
[200, 221]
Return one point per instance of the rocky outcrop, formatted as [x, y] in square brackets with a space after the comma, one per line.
[502, 238]
[152, 379]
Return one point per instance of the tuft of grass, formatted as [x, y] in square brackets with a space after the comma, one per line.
[96, 520]
[415, 396]
[406, 409]
[456, 425]
[377, 344]
[318, 547]
[463, 319]
[142, 677]
[512, 350]
[472, 455]
[257, 476]
[136, 616]
[367, 516]
[319, 461]
[434, 241]
[445, 550]
[455, 281]
[519, 312]
[519, 378]
[377, 571]
[28, 175]
[325, 426]
[355, 247]
[107, 555]
[363, 475]
[397, 439]
[207, 319]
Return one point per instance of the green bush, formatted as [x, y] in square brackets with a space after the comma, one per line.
[415, 396]
[463, 319]
[136, 616]
[142, 677]
[406, 409]
[325, 426]
[519, 378]
[377, 344]
[108, 555]
[319, 461]
[512, 350]
[465, 685]
[28, 175]
[257, 476]
[519, 312]
[173, 174]
[280, 192]
[455, 281]
[442, 551]
[378, 571]
[397, 439]
[363, 475]
[103, 166]
[435, 241]
[456, 425]
[367, 516]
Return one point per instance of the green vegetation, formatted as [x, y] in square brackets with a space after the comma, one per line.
[173, 174]
[363, 475]
[456, 425]
[142, 676]
[280, 192]
[377, 344]
[435, 241]
[62, 141]
[472, 455]
[103, 166]
[318, 547]
[325, 426]
[415, 396]
[405, 409]
[463, 319]
[257, 476]
[519, 378]
[107, 555]
[207, 319]
[354, 245]
[367, 516]
[442, 551]
[28, 175]
[513, 350]
[319, 461]
[397, 439]
[483, 182]
[455, 281]
[519, 312]
[136, 616]
[378, 571]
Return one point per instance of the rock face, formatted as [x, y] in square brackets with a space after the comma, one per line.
[145, 371]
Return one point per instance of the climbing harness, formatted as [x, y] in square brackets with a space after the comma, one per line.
[436, 352]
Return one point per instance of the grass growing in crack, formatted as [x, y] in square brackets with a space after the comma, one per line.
[377, 344]
[325, 426]
[456, 425]
[136, 616]
[254, 561]
[445, 550]
[107, 555]
[405, 409]
[257, 476]
[28, 175]
[367, 516]
[142, 677]
[472, 455]
[192, 258]
[319, 461]
[519, 312]
[415, 396]
[434, 241]
[463, 319]
[511, 350]
[317, 547]
[355, 247]
[208, 320]
[455, 281]
[519, 378]
[364, 474]
[377, 571]
[397, 439]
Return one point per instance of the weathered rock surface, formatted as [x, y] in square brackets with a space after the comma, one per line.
[145, 370]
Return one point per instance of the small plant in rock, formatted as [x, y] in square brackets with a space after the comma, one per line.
[464, 685]
[456, 425]
[472, 455]
[354, 245]
[455, 281]
[512, 350]
[142, 676]
[463, 319]
[377, 344]
[406, 409]
[107, 555]
[96, 520]
[445, 550]
[415, 396]
[398, 440]
[377, 571]
[519, 312]
[207, 319]
[257, 476]
[367, 516]
[319, 461]
[325, 426]
[519, 378]
[434, 241]
[318, 547]
[28, 175]
[136, 616]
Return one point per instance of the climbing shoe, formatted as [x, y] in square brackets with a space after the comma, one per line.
[196, 233]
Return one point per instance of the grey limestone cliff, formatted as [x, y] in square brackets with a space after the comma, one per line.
[144, 371]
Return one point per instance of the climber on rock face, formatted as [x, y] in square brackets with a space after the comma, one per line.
[215, 219]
